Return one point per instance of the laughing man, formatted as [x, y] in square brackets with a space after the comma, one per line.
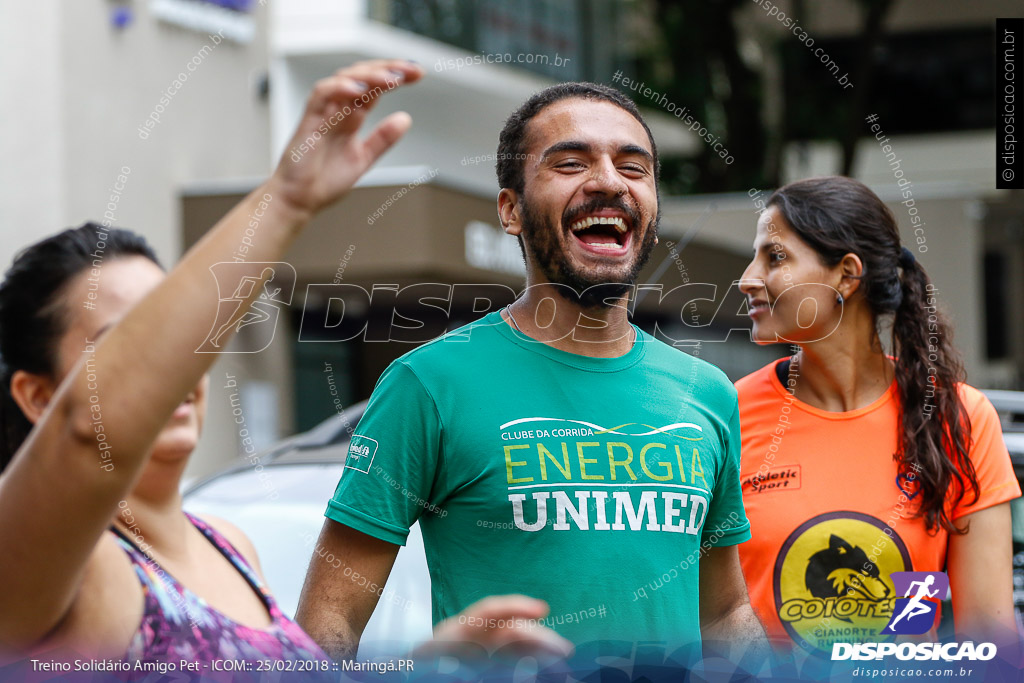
[552, 449]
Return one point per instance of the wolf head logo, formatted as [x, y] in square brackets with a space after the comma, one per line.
[844, 570]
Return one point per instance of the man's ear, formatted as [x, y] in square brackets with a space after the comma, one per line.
[508, 212]
[32, 393]
[851, 268]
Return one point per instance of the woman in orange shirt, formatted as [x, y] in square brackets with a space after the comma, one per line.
[858, 464]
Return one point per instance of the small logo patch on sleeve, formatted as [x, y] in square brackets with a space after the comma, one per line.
[360, 453]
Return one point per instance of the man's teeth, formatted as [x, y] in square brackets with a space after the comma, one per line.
[617, 223]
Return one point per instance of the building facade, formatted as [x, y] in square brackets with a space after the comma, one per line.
[159, 115]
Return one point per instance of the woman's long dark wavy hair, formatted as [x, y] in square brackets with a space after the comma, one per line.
[33, 314]
[837, 216]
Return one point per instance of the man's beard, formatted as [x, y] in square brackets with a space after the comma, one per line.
[592, 291]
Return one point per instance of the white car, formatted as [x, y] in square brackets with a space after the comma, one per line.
[279, 503]
[1010, 406]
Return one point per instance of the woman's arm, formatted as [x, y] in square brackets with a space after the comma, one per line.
[55, 500]
[981, 577]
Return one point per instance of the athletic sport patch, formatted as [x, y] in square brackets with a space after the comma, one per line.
[775, 479]
[361, 450]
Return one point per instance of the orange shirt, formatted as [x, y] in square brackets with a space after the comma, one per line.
[831, 517]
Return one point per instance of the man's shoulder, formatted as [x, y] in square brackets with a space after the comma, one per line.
[688, 367]
[458, 350]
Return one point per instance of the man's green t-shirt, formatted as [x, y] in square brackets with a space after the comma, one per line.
[568, 478]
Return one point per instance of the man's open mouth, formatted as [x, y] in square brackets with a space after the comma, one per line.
[603, 234]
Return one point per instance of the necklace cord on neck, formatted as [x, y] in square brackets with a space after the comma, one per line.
[508, 311]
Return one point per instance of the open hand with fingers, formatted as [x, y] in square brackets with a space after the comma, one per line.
[326, 156]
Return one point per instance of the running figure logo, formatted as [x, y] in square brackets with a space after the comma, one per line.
[915, 613]
[275, 283]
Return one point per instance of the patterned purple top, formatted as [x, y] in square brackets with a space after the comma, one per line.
[177, 624]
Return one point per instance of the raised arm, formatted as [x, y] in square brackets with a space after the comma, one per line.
[55, 500]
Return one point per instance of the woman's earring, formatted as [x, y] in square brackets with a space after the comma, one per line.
[839, 299]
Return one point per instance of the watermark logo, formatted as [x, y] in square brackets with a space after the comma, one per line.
[947, 652]
[916, 611]
[242, 280]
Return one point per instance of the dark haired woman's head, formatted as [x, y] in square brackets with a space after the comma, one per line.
[828, 263]
[571, 152]
[58, 296]
[820, 242]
